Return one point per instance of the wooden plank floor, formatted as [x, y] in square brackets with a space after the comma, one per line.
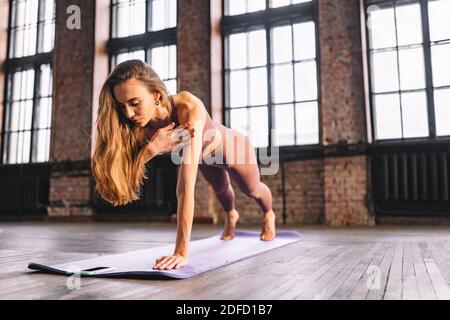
[385, 262]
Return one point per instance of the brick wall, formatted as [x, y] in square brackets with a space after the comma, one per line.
[345, 185]
[343, 111]
[72, 109]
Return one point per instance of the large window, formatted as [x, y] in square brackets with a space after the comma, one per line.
[409, 50]
[27, 118]
[271, 82]
[146, 30]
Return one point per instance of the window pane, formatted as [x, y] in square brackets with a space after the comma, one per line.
[236, 6]
[164, 61]
[23, 147]
[12, 148]
[46, 81]
[280, 3]
[43, 116]
[307, 120]
[23, 85]
[138, 16]
[238, 120]
[28, 114]
[128, 17]
[259, 134]
[125, 56]
[47, 26]
[283, 84]
[304, 41]
[258, 86]
[282, 44]
[381, 26]
[409, 25]
[439, 19]
[28, 89]
[411, 77]
[173, 61]
[121, 19]
[14, 116]
[238, 88]
[415, 117]
[164, 13]
[387, 115]
[42, 142]
[442, 111]
[237, 52]
[305, 81]
[171, 86]
[441, 64]
[255, 5]
[384, 71]
[24, 28]
[257, 48]
[284, 125]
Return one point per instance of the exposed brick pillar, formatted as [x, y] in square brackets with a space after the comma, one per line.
[4, 14]
[72, 111]
[194, 75]
[343, 111]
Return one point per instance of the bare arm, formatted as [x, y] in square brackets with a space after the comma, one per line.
[194, 113]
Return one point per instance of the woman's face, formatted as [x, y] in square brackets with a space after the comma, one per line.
[136, 103]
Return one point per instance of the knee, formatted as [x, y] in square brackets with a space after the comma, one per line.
[252, 193]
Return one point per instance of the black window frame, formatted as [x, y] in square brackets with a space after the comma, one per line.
[268, 19]
[24, 63]
[426, 44]
[145, 41]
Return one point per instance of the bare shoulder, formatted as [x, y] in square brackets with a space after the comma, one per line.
[187, 100]
[189, 107]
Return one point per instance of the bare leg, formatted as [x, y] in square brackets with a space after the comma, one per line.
[220, 181]
[268, 226]
[230, 225]
[247, 177]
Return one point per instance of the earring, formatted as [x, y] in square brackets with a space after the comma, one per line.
[157, 102]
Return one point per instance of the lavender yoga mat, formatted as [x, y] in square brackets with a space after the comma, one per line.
[205, 254]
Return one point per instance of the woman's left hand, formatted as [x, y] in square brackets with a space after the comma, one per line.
[175, 261]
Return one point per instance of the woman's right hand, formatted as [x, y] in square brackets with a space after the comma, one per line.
[169, 138]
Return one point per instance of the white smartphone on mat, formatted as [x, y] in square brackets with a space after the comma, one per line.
[97, 270]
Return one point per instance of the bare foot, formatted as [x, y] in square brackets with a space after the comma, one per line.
[268, 226]
[230, 225]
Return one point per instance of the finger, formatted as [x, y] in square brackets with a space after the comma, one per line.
[161, 261]
[179, 138]
[169, 126]
[183, 135]
[166, 262]
[183, 126]
[181, 145]
[172, 264]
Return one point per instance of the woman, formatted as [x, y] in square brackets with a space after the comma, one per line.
[135, 122]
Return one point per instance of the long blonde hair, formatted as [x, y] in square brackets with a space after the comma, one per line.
[118, 165]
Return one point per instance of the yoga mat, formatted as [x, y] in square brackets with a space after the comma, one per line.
[205, 254]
